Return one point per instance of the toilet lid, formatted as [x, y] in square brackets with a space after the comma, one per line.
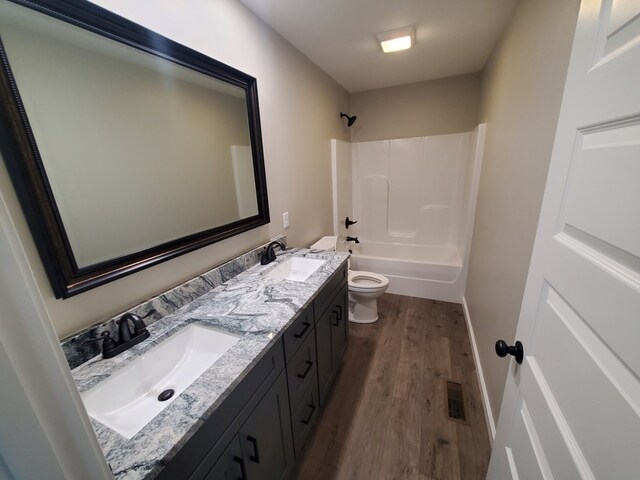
[367, 280]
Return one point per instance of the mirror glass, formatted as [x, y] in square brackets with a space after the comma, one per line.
[138, 151]
[125, 147]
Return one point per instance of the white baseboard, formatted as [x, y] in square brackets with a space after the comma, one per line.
[491, 427]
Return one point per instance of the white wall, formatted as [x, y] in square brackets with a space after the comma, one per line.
[521, 94]
[299, 106]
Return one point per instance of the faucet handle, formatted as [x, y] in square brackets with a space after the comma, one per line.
[149, 313]
[108, 343]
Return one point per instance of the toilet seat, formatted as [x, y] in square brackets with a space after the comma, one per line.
[366, 281]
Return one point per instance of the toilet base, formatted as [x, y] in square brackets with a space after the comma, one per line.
[364, 310]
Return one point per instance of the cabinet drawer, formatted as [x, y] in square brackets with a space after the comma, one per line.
[297, 332]
[325, 296]
[305, 415]
[302, 369]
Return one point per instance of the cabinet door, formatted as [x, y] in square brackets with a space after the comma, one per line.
[339, 327]
[230, 465]
[323, 353]
[266, 438]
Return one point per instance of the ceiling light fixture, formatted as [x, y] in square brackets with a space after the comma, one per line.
[397, 40]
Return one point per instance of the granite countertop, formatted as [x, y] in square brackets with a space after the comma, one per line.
[252, 305]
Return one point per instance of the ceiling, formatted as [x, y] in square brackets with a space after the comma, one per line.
[453, 37]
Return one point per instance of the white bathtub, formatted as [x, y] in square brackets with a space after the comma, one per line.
[414, 200]
[434, 272]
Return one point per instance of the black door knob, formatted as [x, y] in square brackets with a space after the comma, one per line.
[517, 350]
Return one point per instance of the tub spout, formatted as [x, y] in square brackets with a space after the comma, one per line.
[353, 239]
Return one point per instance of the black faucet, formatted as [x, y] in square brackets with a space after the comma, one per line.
[138, 327]
[127, 338]
[269, 255]
[353, 239]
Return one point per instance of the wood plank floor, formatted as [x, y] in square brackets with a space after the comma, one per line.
[386, 417]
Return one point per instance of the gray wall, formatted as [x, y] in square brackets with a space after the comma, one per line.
[434, 107]
[299, 106]
[522, 87]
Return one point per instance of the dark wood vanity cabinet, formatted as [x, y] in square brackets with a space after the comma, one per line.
[331, 340]
[312, 368]
[257, 432]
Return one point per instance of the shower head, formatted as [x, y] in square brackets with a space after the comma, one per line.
[350, 120]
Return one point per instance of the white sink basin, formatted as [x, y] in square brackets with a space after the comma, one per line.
[296, 268]
[128, 399]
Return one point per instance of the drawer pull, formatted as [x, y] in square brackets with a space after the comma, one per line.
[339, 307]
[337, 321]
[308, 419]
[304, 330]
[243, 470]
[306, 372]
[255, 458]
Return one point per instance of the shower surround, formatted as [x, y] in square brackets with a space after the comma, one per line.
[414, 200]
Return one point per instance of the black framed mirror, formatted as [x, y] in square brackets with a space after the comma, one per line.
[125, 148]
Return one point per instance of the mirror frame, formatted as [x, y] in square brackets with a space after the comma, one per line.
[27, 172]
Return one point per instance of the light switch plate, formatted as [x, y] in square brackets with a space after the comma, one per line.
[285, 219]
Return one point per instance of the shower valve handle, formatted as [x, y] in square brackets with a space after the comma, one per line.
[348, 222]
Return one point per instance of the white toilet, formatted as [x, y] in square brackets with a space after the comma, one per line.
[364, 288]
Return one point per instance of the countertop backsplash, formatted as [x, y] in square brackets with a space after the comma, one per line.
[164, 304]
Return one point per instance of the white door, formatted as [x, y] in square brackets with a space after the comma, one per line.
[572, 408]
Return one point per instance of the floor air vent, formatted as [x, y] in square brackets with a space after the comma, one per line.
[455, 402]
